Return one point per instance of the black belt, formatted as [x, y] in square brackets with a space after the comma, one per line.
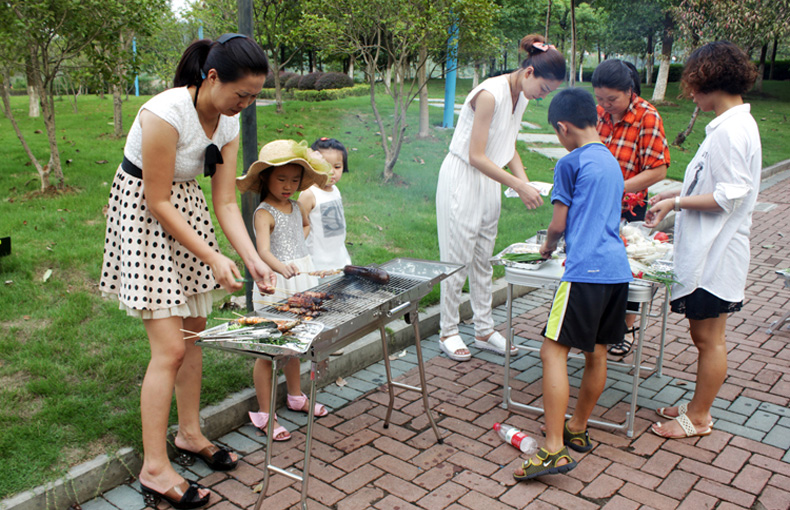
[131, 169]
[213, 158]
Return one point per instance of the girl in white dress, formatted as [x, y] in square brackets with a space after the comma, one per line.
[326, 241]
[468, 194]
[283, 168]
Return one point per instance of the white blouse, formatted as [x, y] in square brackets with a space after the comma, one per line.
[712, 248]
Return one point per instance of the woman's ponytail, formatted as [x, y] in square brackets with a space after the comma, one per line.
[232, 56]
[544, 58]
[188, 72]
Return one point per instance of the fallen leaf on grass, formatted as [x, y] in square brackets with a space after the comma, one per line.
[341, 382]
[102, 161]
[46, 276]
[9, 282]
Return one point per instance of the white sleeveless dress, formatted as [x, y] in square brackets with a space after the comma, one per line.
[326, 242]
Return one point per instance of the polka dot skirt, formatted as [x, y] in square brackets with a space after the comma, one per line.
[144, 265]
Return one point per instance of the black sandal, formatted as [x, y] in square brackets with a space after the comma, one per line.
[189, 498]
[215, 457]
[623, 348]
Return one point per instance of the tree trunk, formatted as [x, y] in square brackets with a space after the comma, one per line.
[351, 59]
[758, 84]
[422, 83]
[548, 23]
[504, 60]
[48, 107]
[678, 142]
[43, 172]
[665, 59]
[278, 91]
[581, 66]
[311, 60]
[649, 60]
[773, 60]
[572, 74]
[117, 110]
[34, 107]
[476, 76]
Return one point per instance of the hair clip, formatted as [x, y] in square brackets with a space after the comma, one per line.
[543, 46]
[202, 74]
[323, 138]
[227, 37]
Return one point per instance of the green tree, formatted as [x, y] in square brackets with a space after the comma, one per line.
[388, 34]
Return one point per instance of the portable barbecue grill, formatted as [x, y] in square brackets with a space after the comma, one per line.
[358, 307]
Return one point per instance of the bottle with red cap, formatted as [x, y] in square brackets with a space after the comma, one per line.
[520, 440]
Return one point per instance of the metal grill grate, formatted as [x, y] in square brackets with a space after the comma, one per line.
[354, 296]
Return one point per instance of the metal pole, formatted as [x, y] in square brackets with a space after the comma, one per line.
[450, 77]
[136, 77]
[249, 140]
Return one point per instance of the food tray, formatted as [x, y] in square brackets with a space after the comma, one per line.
[497, 259]
[297, 340]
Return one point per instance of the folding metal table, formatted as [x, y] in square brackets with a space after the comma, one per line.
[548, 276]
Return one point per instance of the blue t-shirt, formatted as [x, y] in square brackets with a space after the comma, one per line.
[589, 181]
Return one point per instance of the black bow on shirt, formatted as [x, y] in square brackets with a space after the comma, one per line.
[213, 158]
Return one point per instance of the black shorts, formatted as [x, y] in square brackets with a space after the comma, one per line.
[585, 314]
[701, 305]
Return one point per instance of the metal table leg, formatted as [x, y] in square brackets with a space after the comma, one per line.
[423, 388]
[664, 314]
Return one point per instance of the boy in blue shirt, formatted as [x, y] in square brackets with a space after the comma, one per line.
[588, 311]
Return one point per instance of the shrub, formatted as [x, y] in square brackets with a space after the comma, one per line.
[284, 77]
[333, 81]
[307, 82]
[319, 95]
[293, 82]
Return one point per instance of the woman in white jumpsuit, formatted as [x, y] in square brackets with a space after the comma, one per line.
[468, 194]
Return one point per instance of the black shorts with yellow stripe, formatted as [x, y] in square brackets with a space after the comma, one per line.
[585, 314]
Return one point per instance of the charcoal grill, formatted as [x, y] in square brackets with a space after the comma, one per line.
[358, 307]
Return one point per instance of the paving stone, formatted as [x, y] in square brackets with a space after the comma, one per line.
[739, 430]
[531, 375]
[745, 406]
[722, 415]
[101, 504]
[762, 420]
[775, 409]
[346, 392]
[670, 395]
[332, 402]
[241, 443]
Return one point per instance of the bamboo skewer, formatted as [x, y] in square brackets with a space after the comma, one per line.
[192, 334]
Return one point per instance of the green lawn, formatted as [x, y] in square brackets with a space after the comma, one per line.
[71, 363]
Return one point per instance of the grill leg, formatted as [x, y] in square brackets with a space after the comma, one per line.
[269, 436]
[388, 369]
[415, 322]
[309, 439]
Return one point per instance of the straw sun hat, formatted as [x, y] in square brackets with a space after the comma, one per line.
[283, 152]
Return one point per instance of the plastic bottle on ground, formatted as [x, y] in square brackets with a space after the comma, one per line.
[520, 440]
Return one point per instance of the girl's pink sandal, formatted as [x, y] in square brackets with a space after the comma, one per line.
[261, 420]
[297, 403]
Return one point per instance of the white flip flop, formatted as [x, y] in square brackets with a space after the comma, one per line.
[454, 343]
[495, 343]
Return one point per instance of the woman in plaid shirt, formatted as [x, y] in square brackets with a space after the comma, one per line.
[634, 132]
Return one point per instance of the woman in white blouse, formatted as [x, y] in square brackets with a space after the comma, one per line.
[714, 216]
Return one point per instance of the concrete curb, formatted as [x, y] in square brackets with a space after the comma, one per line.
[92, 478]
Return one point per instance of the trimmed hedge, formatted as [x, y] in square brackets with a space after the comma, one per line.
[307, 82]
[293, 82]
[333, 81]
[361, 89]
[284, 77]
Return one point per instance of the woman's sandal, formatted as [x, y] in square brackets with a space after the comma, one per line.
[578, 441]
[261, 421]
[216, 457]
[297, 403]
[682, 409]
[178, 496]
[623, 348]
[685, 424]
[451, 345]
[546, 464]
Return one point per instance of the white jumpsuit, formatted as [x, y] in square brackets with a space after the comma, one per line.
[468, 204]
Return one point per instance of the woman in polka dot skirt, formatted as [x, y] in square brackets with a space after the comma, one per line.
[161, 258]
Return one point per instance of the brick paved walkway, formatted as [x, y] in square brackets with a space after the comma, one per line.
[357, 464]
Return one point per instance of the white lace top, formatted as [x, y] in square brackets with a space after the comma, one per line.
[175, 107]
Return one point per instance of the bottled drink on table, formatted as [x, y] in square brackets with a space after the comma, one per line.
[520, 440]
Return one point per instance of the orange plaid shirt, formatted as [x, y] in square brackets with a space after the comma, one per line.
[637, 142]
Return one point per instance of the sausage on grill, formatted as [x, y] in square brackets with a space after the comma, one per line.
[373, 274]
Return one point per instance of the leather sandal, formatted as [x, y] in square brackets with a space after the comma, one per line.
[682, 409]
[297, 403]
[451, 345]
[216, 457]
[624, 347]
[688, 428]
[261, 421]
[178, 496]
[495, 343]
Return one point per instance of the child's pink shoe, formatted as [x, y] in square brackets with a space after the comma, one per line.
[297, 403]
[261, 420]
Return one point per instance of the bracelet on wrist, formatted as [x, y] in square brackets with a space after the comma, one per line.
[677, 204]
